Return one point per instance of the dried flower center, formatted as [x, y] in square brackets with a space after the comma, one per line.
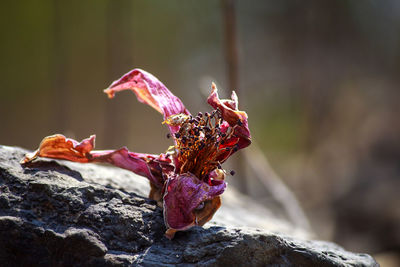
[198, 142]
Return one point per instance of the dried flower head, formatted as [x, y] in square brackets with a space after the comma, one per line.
[187, 180]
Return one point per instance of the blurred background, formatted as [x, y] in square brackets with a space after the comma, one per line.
[318, 79]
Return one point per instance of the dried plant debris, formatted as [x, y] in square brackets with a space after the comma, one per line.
[187, 180]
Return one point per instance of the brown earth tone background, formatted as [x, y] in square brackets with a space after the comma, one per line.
[318, 80]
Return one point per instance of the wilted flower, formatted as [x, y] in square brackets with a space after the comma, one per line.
[188, 179]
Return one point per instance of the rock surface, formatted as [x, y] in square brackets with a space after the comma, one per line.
[54, 213]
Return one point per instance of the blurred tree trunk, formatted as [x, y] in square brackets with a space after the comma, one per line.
[231, 57]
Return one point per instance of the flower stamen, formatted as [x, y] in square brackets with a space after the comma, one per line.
[198, 141]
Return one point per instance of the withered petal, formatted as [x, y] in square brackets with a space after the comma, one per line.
[183, 194]
[151, 91]
[235, 118]
[59, 147]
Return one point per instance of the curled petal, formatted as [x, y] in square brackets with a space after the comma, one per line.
[228, 107]
[189, 201]
[151, 91]
[59, 147]
[234, 118]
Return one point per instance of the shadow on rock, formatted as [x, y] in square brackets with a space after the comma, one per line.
[43, 166]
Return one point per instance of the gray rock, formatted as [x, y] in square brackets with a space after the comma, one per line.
[54, 213]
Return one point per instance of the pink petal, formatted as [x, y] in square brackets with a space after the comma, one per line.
[59, 147]
[151, 91]
[142, 164]
[183, 194]
[235, 118]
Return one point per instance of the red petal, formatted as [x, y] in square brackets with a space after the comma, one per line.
[183, 194]
[151, 91]
[235, 118]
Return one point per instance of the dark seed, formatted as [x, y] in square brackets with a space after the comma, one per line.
[168, 135]
[232, 172]
[177, 135]
[239, 122]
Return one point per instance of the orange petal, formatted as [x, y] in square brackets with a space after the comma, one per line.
[59, 147]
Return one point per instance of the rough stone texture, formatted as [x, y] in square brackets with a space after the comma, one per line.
[54, 213]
